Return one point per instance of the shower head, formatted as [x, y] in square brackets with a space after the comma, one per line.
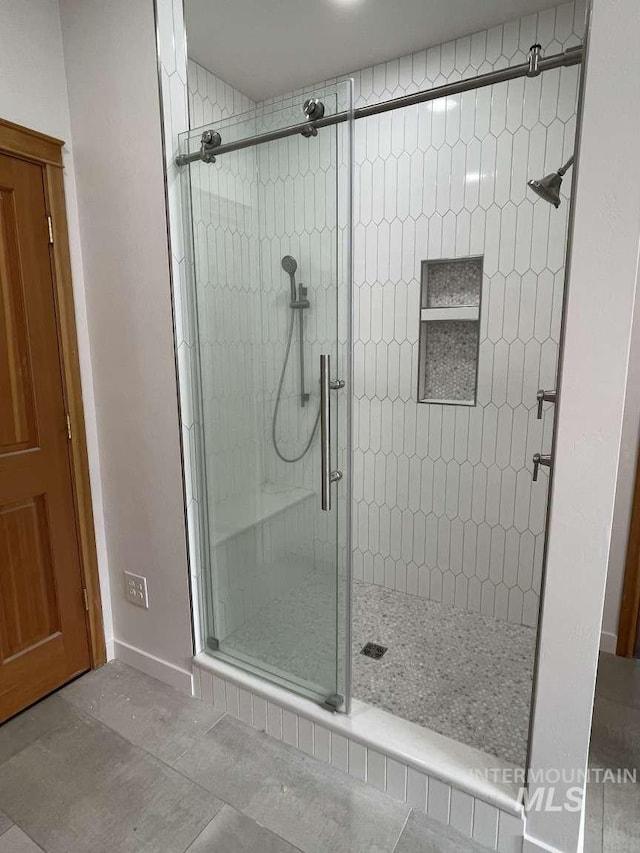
[548, 187]
[290, 265]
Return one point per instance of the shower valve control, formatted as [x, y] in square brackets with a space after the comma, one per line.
[538, 460]
[544, 397]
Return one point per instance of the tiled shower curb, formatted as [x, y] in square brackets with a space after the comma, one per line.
[421, 768]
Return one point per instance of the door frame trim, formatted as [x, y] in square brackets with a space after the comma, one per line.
[46, 151]
[629, 618]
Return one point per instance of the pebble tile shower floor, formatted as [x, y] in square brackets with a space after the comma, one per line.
[462, 674]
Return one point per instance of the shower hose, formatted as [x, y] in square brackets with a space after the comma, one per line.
[279, 395]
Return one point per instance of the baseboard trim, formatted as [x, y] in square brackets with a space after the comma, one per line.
[608, 642]
[171, 674]
[110, 649]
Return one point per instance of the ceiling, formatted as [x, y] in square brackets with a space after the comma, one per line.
[269, 47]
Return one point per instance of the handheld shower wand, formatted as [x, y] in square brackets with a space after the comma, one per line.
[298, 302]
[290, 265]
[299, 297]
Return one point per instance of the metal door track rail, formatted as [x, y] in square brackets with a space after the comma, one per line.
[535, 66]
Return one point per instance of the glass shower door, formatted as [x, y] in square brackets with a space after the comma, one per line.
[271, 294]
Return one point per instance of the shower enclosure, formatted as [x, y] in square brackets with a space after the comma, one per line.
[271, 278]
[378, 296]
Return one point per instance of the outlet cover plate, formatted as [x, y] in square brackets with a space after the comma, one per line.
[136, 589]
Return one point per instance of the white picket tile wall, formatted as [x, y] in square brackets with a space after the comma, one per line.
[471, 816]
[444, 503]
[227, 288]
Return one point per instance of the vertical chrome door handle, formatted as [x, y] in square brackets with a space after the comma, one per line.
[544, 397]
[328, 476]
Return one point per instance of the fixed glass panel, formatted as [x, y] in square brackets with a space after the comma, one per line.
[270, 260]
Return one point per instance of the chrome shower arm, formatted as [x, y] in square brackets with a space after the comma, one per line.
[566, 166]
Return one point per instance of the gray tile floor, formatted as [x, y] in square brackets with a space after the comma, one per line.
[613, 810]
[119, 763]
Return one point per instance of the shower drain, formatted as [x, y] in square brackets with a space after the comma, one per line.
[373, 650]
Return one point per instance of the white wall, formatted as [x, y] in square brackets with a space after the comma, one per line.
[34, 86]
[603, 282]
[34, 93]
[110, 54]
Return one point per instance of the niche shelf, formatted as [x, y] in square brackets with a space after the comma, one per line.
[450, 296]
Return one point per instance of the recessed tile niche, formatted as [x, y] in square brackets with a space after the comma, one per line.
[449, 330]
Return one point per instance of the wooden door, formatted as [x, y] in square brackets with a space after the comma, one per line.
[43, 625]
[628, 644]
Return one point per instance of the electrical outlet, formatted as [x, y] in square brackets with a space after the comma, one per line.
[136, 589]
